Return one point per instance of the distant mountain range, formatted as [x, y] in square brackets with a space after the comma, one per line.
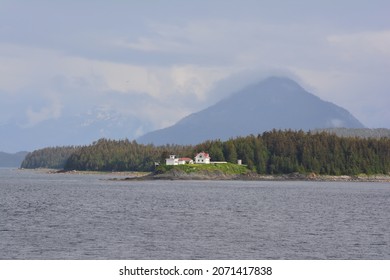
[66, 130]
[12, 160]
[274, 103]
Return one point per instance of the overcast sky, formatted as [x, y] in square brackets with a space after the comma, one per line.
[161, 60]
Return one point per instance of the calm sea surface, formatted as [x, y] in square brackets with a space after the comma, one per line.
[68, 216]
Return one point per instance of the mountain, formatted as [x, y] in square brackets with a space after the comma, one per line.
[80, 129]
[12, 160]
[274, 103]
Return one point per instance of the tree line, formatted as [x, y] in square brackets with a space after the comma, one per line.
[50, 157]
[273, 152]
[122, 155]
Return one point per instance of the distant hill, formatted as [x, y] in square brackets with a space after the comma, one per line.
[274, 103]
[357, 132]
[12, 160]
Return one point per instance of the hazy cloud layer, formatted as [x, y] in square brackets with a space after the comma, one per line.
[162, 60]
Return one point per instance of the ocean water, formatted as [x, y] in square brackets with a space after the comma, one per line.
[70, 216]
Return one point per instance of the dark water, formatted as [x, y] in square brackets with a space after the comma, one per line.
[63, 216]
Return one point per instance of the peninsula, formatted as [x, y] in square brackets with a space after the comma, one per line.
[231, 171]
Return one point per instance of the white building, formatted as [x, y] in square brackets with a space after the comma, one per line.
[172, 160]
[202, 158]
[185, 160]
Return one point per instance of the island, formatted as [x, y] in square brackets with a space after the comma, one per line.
[273, 155]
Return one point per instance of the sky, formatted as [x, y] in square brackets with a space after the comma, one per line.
[159, 61]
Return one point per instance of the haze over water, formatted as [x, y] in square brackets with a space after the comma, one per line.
[63, 216]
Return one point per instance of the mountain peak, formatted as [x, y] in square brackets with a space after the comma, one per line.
[281, 85]
[274, 103]
[279, 80]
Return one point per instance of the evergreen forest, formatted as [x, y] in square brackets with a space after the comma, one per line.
[51, 157]
[273, 152]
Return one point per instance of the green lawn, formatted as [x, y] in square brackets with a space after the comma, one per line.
[227, 168]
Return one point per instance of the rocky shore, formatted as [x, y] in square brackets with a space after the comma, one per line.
[177, 174]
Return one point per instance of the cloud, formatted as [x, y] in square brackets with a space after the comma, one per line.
[160, 95]
[163, 63]
[148, 45]
[362, 44]
[50, 111]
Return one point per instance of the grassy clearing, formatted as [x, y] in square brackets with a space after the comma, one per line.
[227, 168]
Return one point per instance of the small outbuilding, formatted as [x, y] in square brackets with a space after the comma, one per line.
[185, 160]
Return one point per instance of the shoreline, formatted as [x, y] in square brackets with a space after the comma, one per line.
[379, 178]
[87, 172]
[170, 176]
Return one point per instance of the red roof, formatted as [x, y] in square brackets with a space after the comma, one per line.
[204, 154]
[185, 159]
